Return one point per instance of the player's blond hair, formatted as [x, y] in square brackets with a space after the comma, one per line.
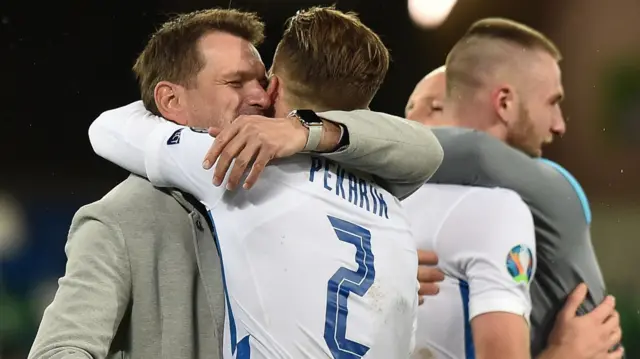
[330, 60]
[172, 53]
[480, 49]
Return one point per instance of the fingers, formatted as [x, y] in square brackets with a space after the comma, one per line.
[428, 289]
[429, 274]
[604, 310]
[429, 278]
[613, 322]
[614, 338]
[225, 156]
[240, 165]
[612, 330]
[429, 258]
[262, 159]
[573, 301]
[219, 144]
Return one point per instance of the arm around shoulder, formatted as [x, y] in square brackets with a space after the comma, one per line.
[92, 296]
[401, 153]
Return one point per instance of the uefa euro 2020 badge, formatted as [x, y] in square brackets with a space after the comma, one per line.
[520, 264]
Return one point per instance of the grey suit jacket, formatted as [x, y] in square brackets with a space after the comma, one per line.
[143, 275]
[142, 281]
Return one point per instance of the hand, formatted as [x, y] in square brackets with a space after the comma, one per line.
[589, 336]
[428, 275]
[256, 139]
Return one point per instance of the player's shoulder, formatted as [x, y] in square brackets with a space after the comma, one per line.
[469, 194]
[566, 185]
[494, 201]
[498, 194]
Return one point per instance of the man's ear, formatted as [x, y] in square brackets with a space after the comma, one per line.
[273, 90]
[503, 100]
[168, 97]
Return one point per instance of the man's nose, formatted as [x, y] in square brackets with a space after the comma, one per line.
[259, 98]
[559, 126]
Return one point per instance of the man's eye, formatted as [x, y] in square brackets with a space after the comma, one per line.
[237, 84]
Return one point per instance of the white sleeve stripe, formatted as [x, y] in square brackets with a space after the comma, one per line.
[504, 305]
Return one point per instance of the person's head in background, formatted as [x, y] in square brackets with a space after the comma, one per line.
[202, 68]
[503, 78]
[426, 103]
[326, 60]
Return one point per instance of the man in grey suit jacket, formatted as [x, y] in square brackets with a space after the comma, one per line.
[143, 276]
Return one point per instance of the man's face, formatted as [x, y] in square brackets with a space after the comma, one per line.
[539, 115]
[425, 103]
[231, 83]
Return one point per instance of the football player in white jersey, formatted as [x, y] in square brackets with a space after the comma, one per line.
[485, 224]
[319, 260]
[486, 245]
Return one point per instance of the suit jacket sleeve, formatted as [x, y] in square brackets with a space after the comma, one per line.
[93, 295]
[402, 154]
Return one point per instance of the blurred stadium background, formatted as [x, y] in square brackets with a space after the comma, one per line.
[64, 62]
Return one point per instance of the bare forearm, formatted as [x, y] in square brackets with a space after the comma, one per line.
[502, 350]
[500, 335]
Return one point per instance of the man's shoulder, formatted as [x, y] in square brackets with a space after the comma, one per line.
[134, 199]
[134, 193]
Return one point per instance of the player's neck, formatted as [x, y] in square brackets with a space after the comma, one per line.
[498, 131]
[468, 117]
[284, 107]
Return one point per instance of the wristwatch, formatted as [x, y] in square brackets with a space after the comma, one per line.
[313, 123]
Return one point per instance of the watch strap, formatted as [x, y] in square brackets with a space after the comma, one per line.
[314, 124]
[313, 140]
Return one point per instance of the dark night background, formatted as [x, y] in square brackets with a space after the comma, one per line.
[65, 62]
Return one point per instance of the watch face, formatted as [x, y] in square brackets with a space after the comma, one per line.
[308, 116]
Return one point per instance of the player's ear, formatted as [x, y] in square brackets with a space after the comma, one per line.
[273, 90]
[168, 97]
[504, 104]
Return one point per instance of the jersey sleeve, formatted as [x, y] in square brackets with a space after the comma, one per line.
[119, 135]
[169, 155]
[488, 242]
[173, 158]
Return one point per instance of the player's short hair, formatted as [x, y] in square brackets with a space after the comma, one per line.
[172, 53]
[479, 48]
[330, 59]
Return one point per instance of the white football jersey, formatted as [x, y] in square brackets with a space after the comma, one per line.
[319, 262]
[485, 241]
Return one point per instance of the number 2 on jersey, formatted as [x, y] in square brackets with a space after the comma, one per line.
[343, 283]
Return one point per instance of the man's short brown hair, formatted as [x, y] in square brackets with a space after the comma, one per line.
[330, 59]
[172, 53]
[480, 48]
